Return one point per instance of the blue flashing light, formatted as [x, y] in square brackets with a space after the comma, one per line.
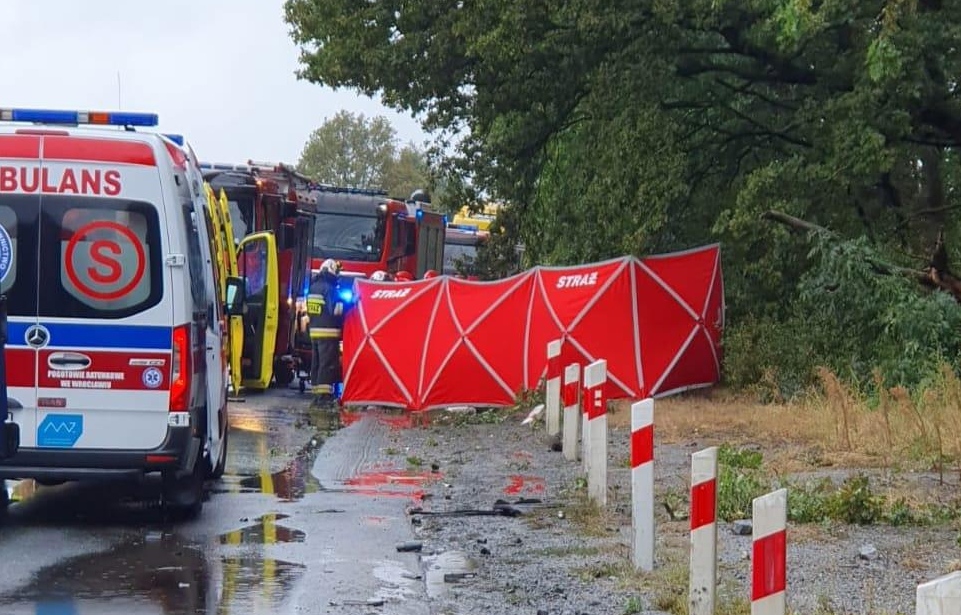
[178, 139]
[445, 220]
[463, 227]
[76, 118]
[346, 295]
[306, 289]
[420, 215]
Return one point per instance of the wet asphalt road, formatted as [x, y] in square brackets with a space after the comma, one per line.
[314, 532]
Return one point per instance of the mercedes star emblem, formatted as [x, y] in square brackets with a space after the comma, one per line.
[37, 336]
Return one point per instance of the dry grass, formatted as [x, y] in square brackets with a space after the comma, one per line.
[835, 426]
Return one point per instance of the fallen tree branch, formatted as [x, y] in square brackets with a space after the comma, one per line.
[936, 274]
[790, 221]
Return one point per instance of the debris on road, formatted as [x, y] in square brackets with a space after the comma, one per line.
[410, 546]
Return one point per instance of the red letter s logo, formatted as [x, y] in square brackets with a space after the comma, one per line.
[105, 260]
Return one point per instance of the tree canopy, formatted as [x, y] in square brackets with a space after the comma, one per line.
[653, 125]
[352, 150]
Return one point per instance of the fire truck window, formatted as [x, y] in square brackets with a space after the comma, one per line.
[411, 240]
[404, 241]
[239, 223]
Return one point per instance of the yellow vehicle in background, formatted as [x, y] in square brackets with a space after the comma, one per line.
[465, 236]
[481, 220]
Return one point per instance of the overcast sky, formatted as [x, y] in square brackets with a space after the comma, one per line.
[220, 72]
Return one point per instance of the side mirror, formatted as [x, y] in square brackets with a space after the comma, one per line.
[234, 305]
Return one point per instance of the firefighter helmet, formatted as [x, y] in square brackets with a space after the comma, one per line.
[379, 276]
[330, 266]
[403, 276]
[430, 273]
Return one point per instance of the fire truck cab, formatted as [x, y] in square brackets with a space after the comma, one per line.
[460, 249]
[273, 222]
[367, 231]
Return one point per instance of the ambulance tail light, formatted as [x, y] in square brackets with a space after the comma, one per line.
[177, 156]
[77, 118]
[180, 370]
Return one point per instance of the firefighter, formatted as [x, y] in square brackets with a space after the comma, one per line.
[326, 312]
[403, 276]
[380, 276]
[430, 273]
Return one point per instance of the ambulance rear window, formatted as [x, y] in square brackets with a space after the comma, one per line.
[100, 258]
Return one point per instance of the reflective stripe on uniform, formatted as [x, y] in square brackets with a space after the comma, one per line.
[326, 333]
[322, 389]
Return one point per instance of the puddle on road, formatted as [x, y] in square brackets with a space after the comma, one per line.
[447, 568]
[290, 484]
[264, 532]
[397, 583]
[157, 573]
[257, 586]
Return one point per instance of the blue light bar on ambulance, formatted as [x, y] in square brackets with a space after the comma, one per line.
[178, 139]
[76, 118]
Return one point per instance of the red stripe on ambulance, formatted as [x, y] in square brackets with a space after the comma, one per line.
[97, 150]
[20, 146]
[21, 369]
[126, 371]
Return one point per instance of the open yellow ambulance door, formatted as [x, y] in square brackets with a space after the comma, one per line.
[235, 323]
[258, 267]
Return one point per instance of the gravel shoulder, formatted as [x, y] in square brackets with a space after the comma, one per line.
[551, 551]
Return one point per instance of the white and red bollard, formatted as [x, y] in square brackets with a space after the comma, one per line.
[585, 434]
[769, 554]
[941, 596]
[703, 587]
[552, 388]
[572, 410]
[642, 483]
[595, 406]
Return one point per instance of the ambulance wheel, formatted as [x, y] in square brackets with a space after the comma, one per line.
[183, 496]
[218, 470]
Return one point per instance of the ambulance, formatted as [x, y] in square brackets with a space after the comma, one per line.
[115, 359]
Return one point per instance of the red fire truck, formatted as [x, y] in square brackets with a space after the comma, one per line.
[271, 199]
[367, 231]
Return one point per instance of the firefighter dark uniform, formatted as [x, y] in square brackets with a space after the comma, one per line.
[325, 310]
